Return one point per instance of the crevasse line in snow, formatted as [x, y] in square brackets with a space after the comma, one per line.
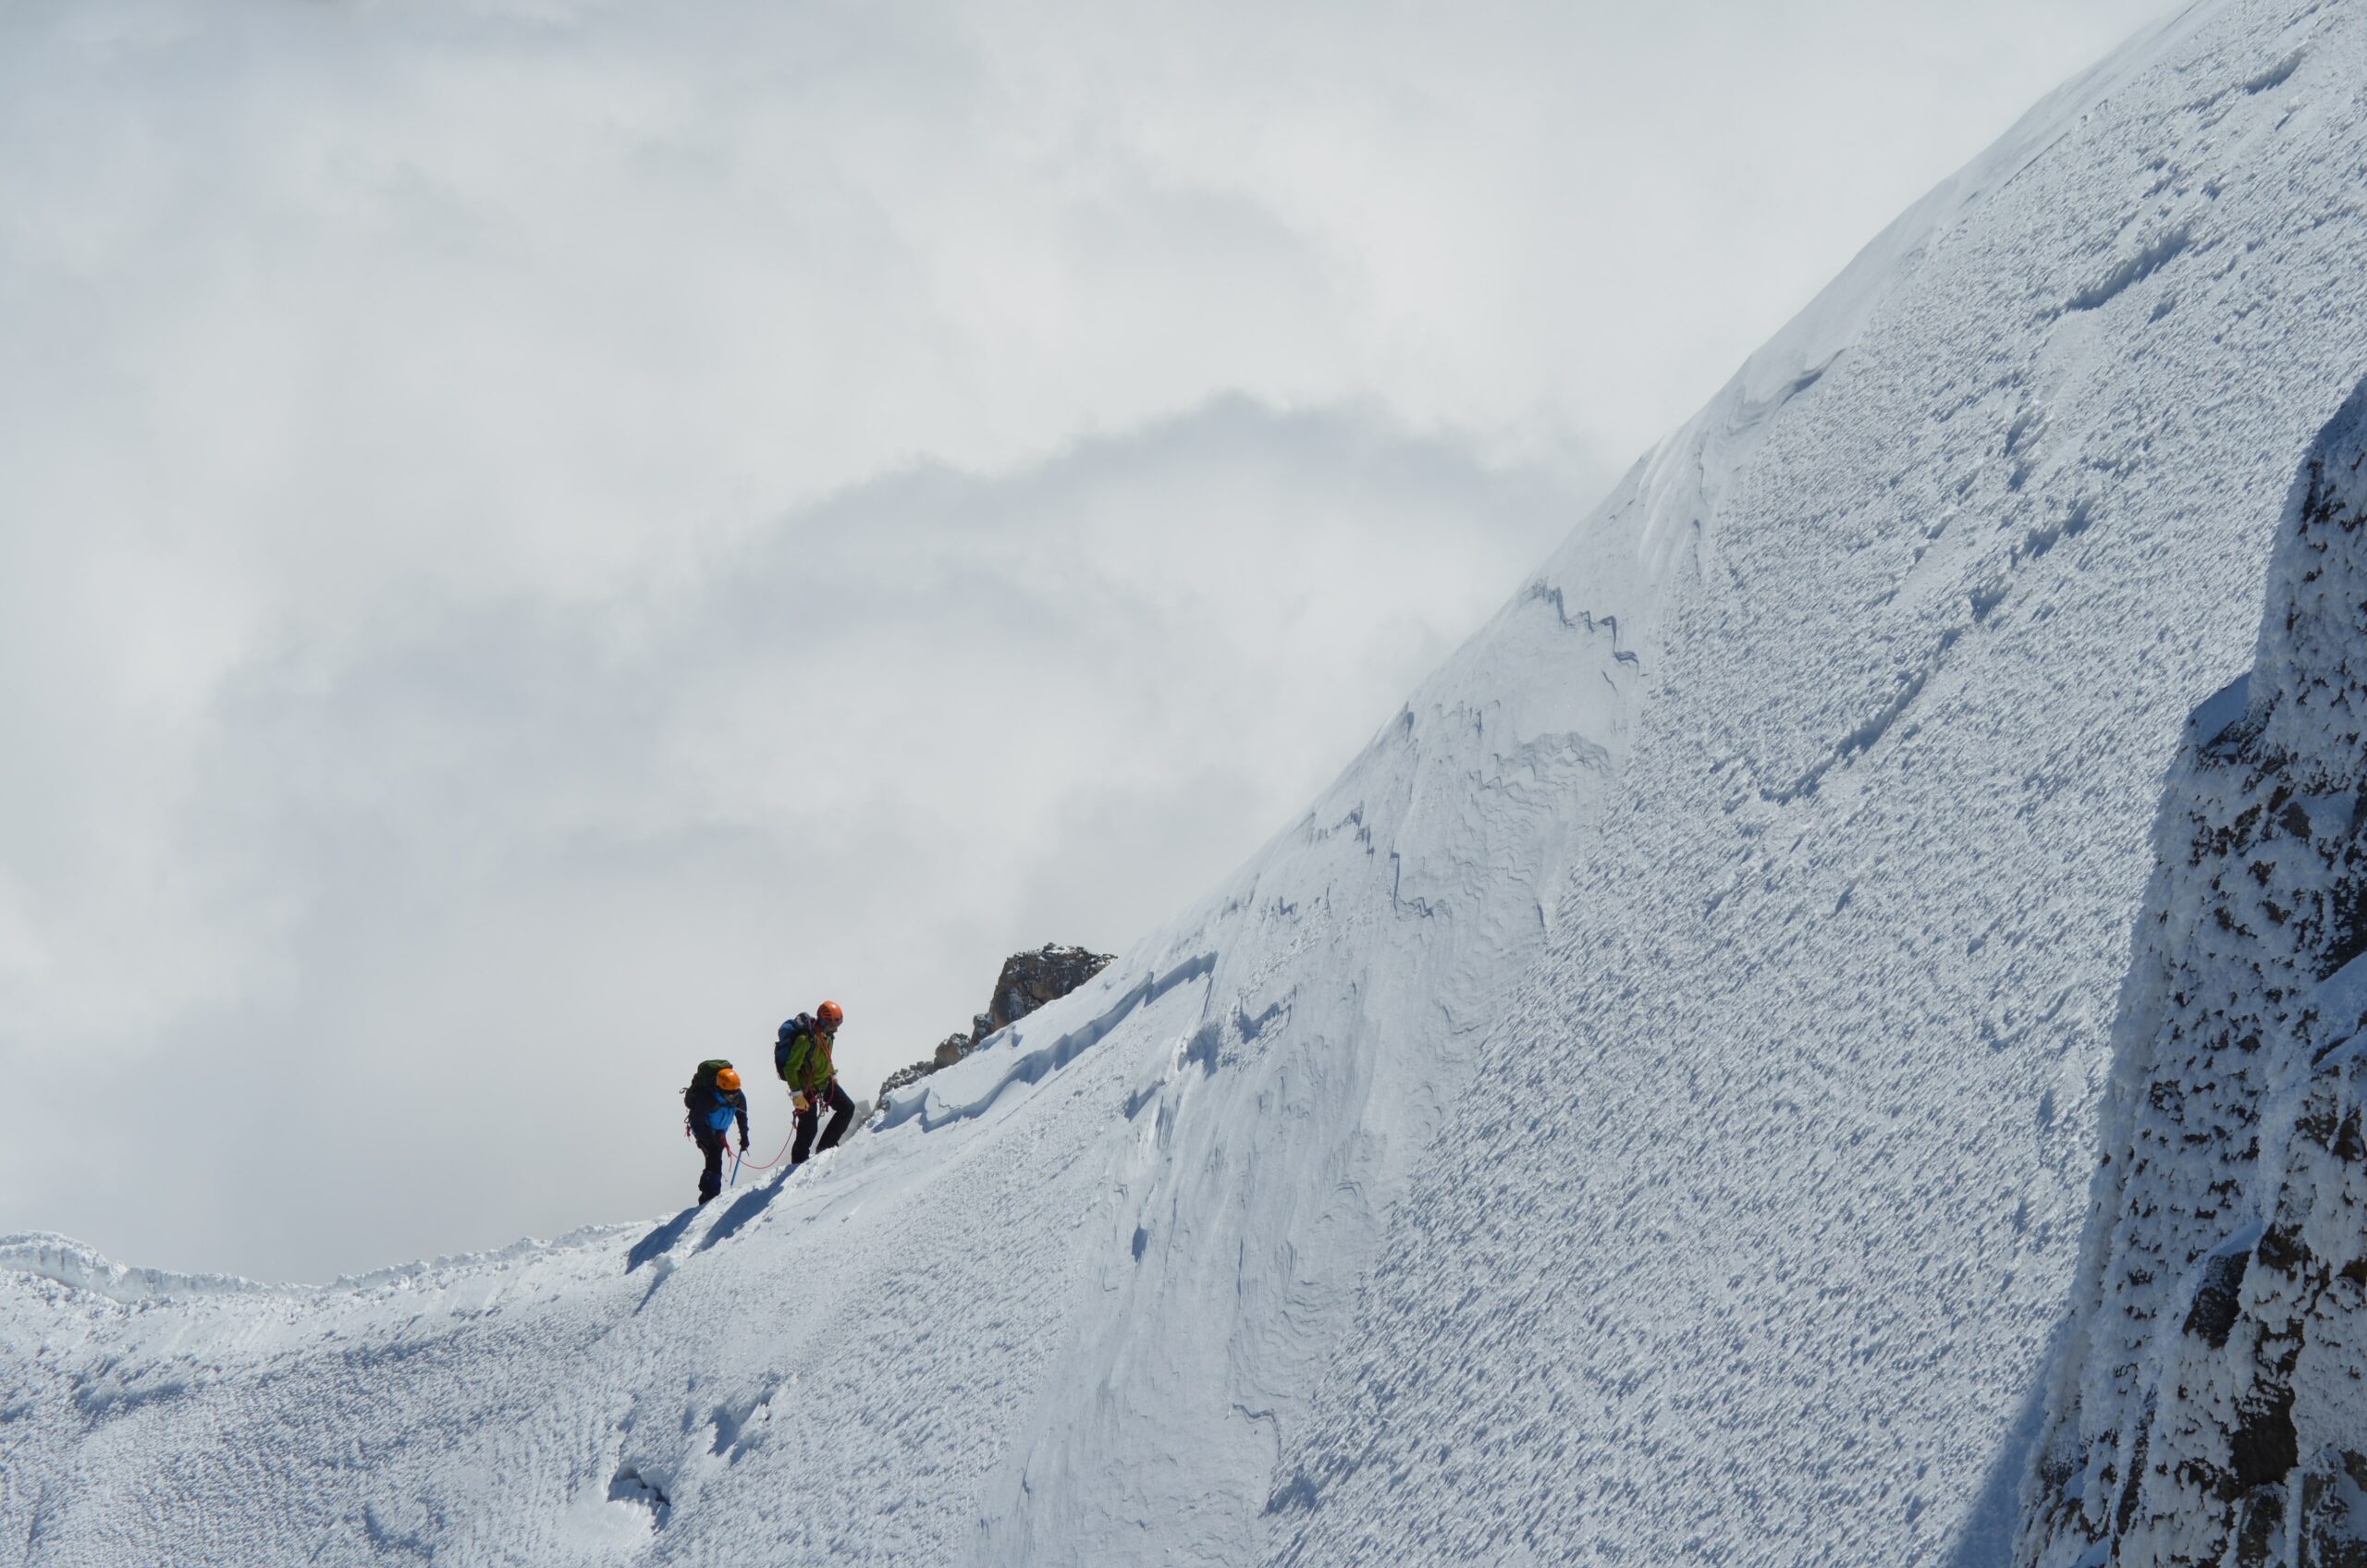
[935, 1105]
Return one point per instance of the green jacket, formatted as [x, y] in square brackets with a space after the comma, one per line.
[810, 1068]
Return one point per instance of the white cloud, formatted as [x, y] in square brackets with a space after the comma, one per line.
[535, 538]
[496, 869]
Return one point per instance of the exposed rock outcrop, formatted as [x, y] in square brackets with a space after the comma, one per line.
[2212, 1406]
[1028, 981]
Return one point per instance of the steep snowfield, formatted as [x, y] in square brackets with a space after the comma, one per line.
[1759, 1214]
[1645, 1112]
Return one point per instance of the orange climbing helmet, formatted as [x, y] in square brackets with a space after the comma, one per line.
[830, 1015]
[727, 1080]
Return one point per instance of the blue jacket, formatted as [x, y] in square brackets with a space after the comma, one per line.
[713, 1111]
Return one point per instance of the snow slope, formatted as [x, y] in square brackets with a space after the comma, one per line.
[1761, 1231]
[1644, 1111]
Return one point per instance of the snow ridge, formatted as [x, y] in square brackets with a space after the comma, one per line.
[64, 1261]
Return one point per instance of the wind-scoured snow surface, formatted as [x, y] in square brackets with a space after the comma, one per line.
[1644, 1112]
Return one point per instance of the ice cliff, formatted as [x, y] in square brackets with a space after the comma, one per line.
[2212, 1403]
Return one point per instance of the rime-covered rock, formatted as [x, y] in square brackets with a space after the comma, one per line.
[2212, 1406]
[1031, 979]
[1028, 981]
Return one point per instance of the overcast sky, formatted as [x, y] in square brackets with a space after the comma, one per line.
[537, 539]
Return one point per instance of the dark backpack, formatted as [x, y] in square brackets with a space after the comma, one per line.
[802, 1024]
[702, 1095]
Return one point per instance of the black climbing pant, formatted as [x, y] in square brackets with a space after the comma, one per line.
[711, 1179]
[841, 1112]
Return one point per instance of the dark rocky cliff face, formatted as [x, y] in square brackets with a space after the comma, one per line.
[2212, 1407]
[1028, 981]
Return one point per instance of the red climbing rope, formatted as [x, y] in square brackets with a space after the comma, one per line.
[777, 1158]
[752, 1164]
[742, 1160]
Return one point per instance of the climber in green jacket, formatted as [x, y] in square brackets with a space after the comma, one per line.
[801, 1057]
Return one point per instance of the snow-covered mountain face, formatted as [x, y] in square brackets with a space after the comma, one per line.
[1758, 1222]
[2213, 1405]
[1645, 1112]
